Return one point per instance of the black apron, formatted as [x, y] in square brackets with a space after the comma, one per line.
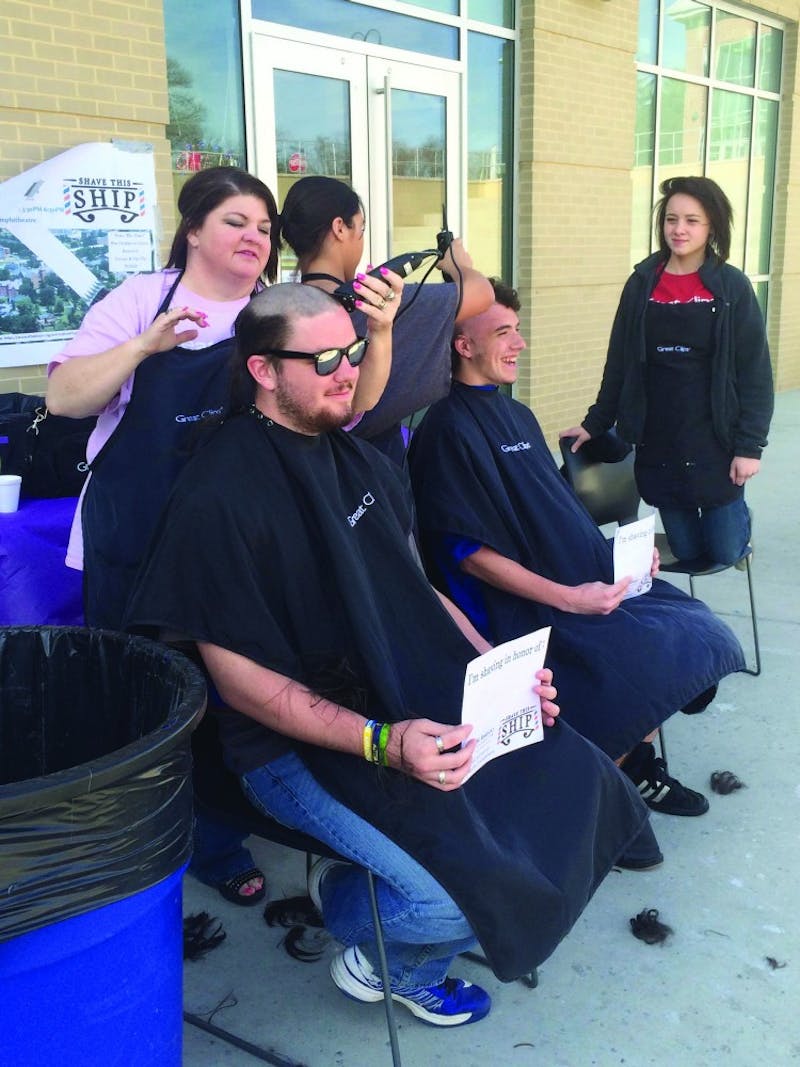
[134, 472]
[680, 462]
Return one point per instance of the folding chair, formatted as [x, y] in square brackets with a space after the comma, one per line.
[601, 474]
[217, 792]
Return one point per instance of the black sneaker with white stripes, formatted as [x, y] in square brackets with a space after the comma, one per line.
[659, 790]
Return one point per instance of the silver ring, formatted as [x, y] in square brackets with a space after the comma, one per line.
[442, 776]
[381, 304]
[390, 295]
[439, 744]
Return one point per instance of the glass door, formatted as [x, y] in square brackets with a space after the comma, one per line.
[322, 110]
[415, 161]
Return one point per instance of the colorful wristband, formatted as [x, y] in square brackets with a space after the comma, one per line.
[367, 740]
[383, 741]
[376, 733]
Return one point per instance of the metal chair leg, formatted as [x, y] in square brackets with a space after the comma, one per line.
[384, 969]
[753, 618]
[661, 744]
[748, 670]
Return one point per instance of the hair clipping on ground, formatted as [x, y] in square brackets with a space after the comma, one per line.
[201, 933]
[774, 964]
[306, 938]
[292, 911]
[726, 782]
[646, 927]
[306, 944]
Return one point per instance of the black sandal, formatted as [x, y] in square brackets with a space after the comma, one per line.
[230, 889]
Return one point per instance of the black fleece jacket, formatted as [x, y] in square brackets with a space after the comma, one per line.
[741, 376]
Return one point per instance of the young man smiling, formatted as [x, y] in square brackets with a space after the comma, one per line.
[505, 537]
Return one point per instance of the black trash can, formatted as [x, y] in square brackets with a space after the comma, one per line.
[95, 833]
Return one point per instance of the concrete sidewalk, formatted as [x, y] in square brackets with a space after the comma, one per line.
[725, 988]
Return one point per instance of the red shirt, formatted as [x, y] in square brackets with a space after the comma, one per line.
[680, 289]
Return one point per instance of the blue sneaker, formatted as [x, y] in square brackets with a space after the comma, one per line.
[451, 1003]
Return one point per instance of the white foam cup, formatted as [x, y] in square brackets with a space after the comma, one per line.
[9, 492]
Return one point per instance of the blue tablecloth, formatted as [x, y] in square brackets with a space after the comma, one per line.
[36, 586]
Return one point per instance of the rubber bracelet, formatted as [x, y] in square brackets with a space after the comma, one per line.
[383, 741]
[367, 740]
[376, 733]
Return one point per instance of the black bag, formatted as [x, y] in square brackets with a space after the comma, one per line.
[49, 451]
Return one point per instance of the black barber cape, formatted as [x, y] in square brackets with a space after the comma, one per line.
[293, 551]
[481, 470]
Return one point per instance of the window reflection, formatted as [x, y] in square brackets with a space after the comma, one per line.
[731, 125]
[418, 168]
[641, 222]
[729, 158]
[762, 186]
[769, 59]
[204, 76]
[741, 124]
[489, 151]
[762, 296]
[681, 137]
[687, 32]
[446, 7]
[735, 49]
[310, 140]
[363, 23]
[647, 51]
[495, 12]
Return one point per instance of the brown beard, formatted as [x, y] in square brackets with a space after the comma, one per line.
[309, 422]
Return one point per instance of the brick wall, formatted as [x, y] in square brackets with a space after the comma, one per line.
[75, 72]
[577, 111]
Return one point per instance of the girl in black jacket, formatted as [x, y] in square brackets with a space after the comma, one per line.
[688, 378]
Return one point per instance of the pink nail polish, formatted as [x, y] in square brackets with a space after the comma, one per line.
[359, 303]
[360, 277]
[384, 271]
[356, 285]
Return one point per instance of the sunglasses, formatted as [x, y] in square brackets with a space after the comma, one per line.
[327, 361]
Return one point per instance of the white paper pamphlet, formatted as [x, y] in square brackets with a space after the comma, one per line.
[633, 554]
[499, 701]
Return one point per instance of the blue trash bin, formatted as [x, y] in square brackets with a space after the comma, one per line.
[95, 832]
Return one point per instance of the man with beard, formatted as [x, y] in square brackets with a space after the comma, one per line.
[286, 556]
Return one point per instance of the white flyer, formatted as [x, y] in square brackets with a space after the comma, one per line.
[499, 701]
[633, 554]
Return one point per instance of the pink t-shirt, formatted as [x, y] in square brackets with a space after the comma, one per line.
[126, 312]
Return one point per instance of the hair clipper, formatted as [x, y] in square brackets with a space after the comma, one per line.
[402, 265]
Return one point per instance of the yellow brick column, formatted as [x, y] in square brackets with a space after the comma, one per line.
[577, 111]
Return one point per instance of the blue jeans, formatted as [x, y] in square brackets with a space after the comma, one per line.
[720, 534]
[422, 926]
[218, 851]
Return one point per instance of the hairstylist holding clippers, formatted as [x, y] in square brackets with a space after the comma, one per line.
[323, 221]
[151, 359]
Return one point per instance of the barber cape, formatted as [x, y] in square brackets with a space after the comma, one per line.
[294, 552]
[481, 470]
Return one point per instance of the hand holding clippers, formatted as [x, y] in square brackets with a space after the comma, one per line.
[403, 265]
